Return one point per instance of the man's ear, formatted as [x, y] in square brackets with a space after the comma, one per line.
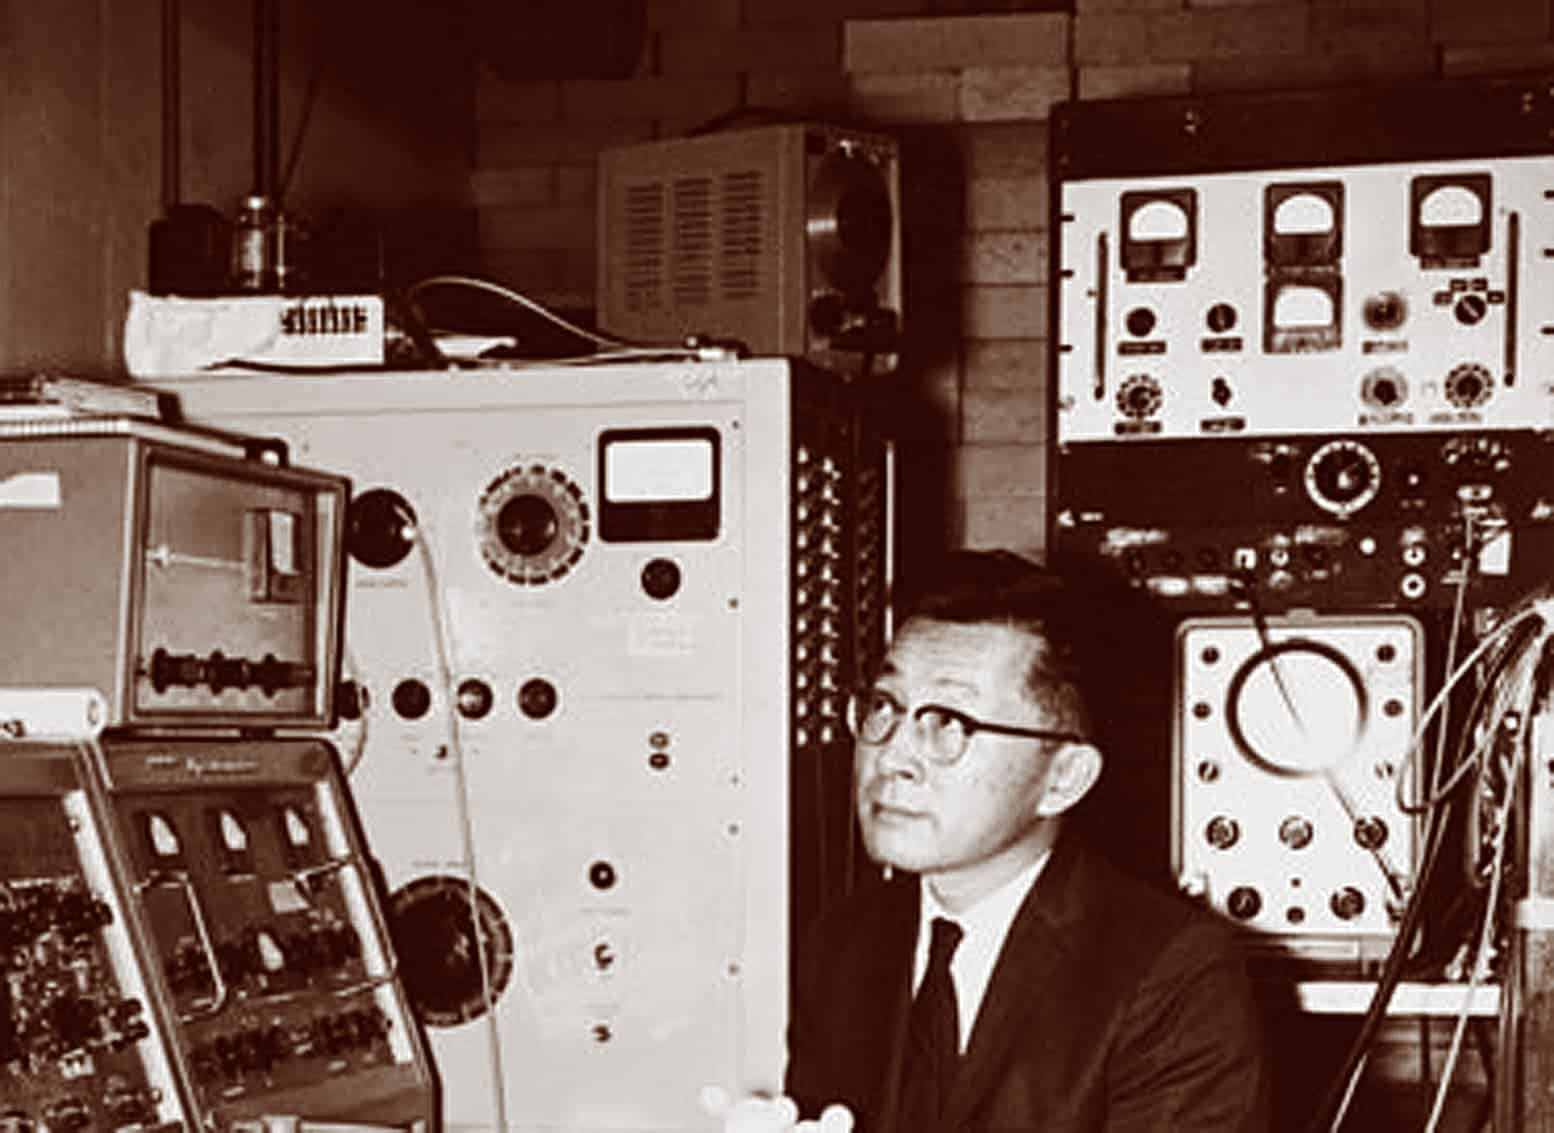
[1075, 768]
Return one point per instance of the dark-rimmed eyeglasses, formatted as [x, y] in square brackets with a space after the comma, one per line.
[942, 733]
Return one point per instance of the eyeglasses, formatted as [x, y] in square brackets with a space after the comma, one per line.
[942, 733]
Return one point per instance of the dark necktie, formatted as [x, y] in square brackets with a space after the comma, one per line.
[933, 1037]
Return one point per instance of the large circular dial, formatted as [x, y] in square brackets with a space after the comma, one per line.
[442, 930]
[1297, 708]
[1342, 477]
[533, 524]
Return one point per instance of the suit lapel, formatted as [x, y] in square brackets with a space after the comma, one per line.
[1037, 950]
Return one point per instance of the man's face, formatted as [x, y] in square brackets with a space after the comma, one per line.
[976, 819]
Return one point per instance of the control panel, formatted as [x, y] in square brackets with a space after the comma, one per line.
[1370, 521]
[83, 1043]
[601, 624]
[1378, 298]
[186, 582]
[264, 931]
[1289, 746]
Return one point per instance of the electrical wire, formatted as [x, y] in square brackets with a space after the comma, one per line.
[1481, 958]
[1531, 616]
[443, 650]
[523, 301]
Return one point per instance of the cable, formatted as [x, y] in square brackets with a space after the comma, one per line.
[1481, 956]
[523, 301]
[443, 656]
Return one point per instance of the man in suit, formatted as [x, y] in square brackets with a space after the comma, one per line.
[1006, 977]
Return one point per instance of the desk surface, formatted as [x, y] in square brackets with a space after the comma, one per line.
[1353, 997]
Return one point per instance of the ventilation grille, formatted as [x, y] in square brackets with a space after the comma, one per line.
[644, 243]
[740, 265]
[693, 249]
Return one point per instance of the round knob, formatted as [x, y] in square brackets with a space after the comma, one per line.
[1244, 903]
[1221, 318]
[1295, 832]
[1222, 832]
[1139, 321]
[1471, 309]
[412, 699]
[474, 699]
[1347, 903]
[661, 579]
[526, 525]
[1370, 832]
[537, 698]
[379, 528]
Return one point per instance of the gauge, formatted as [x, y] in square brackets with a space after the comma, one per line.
[1342, 477]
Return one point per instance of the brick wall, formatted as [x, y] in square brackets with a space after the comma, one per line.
[969, 97]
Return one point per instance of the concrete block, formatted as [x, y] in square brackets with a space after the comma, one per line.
[1002, 416]
[1017, 523]
[1004, 311]
[556, 227]
[1473, 21]
[1142, 80]
[595, 100]
[558, 143]
[950, 42]
[1332, 70]
[699, 14]
[1006, 364]
[1001, 203]
[1005, 94]
[790, 45]
[925, 97]
[1003, 149]
[501, 100]
[1004, 257]
[764, 11]
[1111, 38]
[525, 185]
[1497, 59]
[1008, 469]
[1085, 7]
[1369, 30]
[818, 92]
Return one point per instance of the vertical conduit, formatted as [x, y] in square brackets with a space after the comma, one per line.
[266, 97]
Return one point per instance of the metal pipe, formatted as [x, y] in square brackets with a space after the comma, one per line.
[266, 97]
[172, 110]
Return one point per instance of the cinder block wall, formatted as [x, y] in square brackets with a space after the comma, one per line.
[969, 95]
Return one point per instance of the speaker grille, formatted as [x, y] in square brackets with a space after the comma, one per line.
[644, 244]
[693, 250]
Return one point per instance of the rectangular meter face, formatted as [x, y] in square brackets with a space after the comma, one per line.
[659, 484]
[667, 470]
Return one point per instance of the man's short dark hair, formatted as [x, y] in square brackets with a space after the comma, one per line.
[1002, 588]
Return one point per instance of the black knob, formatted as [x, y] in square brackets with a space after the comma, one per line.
[1244, 903]
[1222, 832]
[537, 698]
[661, 579]
[1347, 903]
[474, 699]
[1295, 832]
[527, 524]
[350, 700]
[601, 875]
[1370, 832]
[1471, 309]
[412, 699]
[1221, 318]
[1140, 321]
[379, 528]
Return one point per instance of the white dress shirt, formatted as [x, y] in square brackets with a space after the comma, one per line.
[984, 925]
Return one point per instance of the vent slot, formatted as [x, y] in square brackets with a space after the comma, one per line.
[644, 243]
[740, 263]
[693, 241]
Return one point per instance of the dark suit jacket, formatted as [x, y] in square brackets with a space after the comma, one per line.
[1112, 1007]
